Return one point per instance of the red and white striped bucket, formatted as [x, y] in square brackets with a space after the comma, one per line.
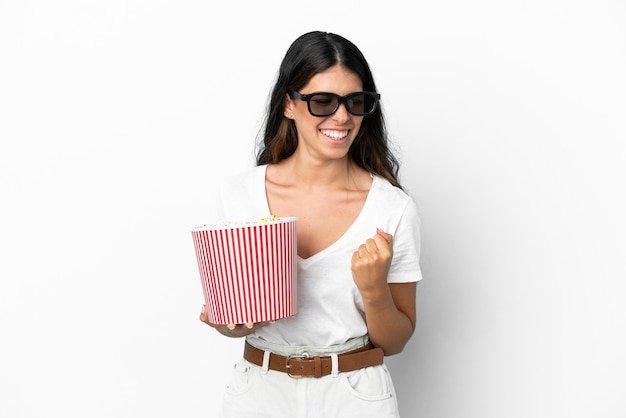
[248, 270]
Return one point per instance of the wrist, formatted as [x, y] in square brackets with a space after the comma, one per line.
[376, 295]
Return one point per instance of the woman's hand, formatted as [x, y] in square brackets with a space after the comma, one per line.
[233, 330]
[389, 308]
[370, 263]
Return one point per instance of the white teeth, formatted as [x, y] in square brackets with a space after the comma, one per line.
[334, 134]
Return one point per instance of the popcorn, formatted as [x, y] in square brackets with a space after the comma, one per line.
[271, 218]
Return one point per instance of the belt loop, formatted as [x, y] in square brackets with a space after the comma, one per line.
[335, 365]
[266, 362]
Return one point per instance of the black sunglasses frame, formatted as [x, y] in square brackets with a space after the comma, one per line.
[340, 99]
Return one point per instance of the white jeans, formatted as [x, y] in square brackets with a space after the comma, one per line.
[255, 391]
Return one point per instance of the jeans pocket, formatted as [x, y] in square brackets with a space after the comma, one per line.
[241, 379]
[370, 384]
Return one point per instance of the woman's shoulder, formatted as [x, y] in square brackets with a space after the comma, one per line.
[242, 194]
[244, 177]
[391, 199]
[397, 206]
[390, 191]
[239, 186]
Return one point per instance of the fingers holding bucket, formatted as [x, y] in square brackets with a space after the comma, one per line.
[233, 330]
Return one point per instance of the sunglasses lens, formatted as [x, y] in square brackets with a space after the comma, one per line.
[361, 104]
[323, 104]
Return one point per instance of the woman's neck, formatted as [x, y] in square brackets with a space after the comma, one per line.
[334, 174]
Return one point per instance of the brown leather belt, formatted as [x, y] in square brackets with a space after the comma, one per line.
[315, 366]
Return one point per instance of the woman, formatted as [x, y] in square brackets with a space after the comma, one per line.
[325, 160]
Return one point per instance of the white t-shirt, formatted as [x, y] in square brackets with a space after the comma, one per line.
[330, 308]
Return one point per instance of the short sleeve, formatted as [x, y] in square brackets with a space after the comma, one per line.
[405, 265]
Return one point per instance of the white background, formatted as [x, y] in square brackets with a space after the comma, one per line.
[118, 119]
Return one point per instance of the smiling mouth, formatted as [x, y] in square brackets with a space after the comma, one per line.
[336, 135]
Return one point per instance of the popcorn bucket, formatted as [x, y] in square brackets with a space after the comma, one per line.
[248, 270]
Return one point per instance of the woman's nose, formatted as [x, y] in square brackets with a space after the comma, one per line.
[342, 114]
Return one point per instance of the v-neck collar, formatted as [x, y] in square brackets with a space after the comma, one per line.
[306, 262]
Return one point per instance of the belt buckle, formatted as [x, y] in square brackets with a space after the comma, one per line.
[302, 356]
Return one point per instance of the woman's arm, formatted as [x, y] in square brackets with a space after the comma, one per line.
[389, 307]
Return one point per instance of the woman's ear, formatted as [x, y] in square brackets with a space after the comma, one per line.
[288, 107]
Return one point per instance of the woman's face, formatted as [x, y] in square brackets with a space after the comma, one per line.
[327, 137]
